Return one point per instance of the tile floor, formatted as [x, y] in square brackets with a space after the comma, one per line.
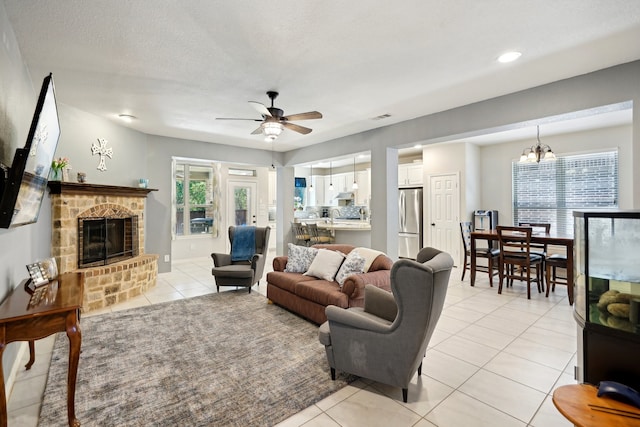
[494, 360]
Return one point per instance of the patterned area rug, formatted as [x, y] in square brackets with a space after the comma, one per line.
[220, 359]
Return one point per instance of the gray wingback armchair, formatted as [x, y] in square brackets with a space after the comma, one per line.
[387, 339]
[241, 273]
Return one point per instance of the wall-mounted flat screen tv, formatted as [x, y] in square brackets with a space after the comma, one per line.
[24, 184]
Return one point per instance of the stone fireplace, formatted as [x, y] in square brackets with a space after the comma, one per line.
[98, 231]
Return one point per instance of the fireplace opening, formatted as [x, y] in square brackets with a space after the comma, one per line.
[103, 241]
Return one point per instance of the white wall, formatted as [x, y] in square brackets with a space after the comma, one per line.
[496, 161]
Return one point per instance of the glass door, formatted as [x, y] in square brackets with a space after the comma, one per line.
[242, 203]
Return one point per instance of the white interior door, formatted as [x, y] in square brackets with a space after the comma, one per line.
[242, 203]
[444, 207]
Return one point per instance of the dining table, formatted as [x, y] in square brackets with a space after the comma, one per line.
[552, 238]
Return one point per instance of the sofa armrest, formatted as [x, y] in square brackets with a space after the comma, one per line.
[280, 262]
[380, 303]
[221, 259]
[354, 285]
[354, 319]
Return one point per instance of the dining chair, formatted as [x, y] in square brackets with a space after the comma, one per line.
[552, 263]
[515, 251]
[300, 233]
[538, 248]
[490, 253]
[318, 236]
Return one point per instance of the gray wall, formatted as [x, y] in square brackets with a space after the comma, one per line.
[28, 243]
[615, 85]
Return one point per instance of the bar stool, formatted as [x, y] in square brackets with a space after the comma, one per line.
[552, 263]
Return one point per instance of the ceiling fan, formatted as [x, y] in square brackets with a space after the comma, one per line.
[274, 121]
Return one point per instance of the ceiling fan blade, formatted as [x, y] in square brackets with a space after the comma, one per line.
[297, 128]
[260, 108]
[304, 116]
[257, 131]
[234, 118]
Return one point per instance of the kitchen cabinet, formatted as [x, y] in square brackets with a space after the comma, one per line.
[363, 193]
[317, 196]
[410, 174]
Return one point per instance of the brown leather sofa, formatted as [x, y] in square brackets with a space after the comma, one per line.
[308, 296]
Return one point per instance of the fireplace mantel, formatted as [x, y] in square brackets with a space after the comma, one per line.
[73, 188]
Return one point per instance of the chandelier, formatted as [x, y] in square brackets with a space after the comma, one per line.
[537, 152]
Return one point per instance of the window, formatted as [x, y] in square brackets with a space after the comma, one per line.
[549, 192]
[194, 198]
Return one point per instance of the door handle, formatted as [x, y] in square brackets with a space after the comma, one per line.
[433, 224]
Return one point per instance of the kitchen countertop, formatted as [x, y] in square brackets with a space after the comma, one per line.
[351, 225]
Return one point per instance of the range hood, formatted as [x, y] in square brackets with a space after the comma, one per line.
[344, 196]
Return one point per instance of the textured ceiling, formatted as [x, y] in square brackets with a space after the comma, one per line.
[177, 65]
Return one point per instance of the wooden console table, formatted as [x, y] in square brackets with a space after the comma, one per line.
[54, 307]
[580, 404]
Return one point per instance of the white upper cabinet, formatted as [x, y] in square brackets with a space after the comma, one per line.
[364, 187]
[410, 174]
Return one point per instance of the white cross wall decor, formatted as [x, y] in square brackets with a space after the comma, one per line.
[103, 151]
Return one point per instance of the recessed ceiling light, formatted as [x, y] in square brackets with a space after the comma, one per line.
[509, 57]
[127, 117]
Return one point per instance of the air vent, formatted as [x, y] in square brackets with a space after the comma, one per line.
[381, 117]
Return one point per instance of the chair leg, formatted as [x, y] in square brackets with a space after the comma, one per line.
[420, 369]
[405, 392]
[464, 266]
[333, 374]
[490, 268]
[500, 276]
[217, 288]
[548, 277]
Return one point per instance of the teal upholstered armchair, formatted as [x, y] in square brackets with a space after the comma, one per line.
[246, 272]
[387, 339]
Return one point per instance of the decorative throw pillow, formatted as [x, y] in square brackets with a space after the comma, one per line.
[299, 258]
[353, 264]
[326, 264]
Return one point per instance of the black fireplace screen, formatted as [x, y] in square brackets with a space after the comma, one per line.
[104, 241]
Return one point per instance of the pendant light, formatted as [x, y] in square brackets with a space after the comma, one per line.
[330, 177]
[311, 189]
[355, 184]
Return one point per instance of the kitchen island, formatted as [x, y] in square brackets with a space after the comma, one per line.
[352, 232]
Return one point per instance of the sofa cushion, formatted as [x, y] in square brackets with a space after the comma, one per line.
[287, 281]
[322, 292]
[326, 264]
[299, 258]
[353, 264]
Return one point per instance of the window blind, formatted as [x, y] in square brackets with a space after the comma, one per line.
[549, 192]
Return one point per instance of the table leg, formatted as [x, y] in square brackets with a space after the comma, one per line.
[473, 262]
[32, 355]
[3, 396]
[75, 339]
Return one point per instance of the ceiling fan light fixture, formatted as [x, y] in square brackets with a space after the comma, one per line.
[272, 130]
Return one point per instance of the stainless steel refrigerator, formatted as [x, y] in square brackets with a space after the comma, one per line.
[410, 226]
